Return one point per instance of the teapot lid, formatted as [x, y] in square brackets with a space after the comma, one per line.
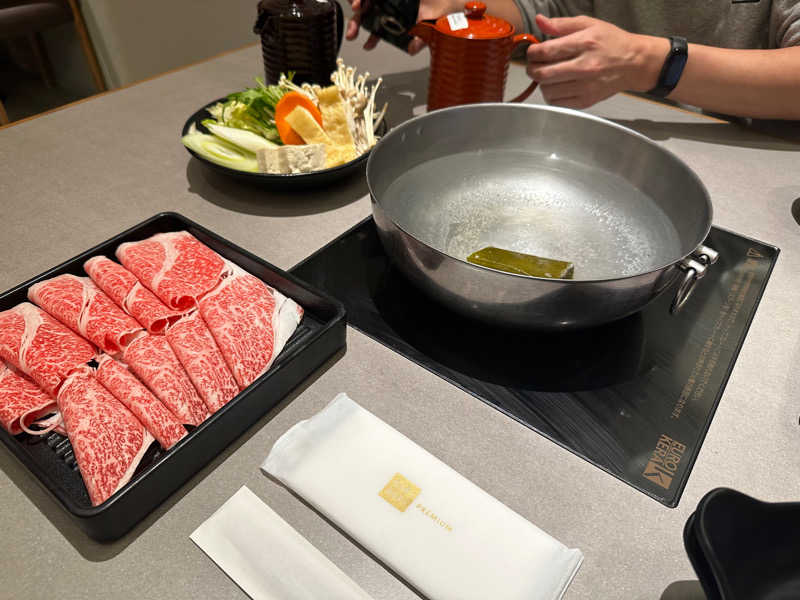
[474, 24]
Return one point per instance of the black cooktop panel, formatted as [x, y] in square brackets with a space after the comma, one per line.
[634, 397]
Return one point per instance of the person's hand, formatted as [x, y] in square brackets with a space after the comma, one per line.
[353, 25]
[428, 9]
[590, 60]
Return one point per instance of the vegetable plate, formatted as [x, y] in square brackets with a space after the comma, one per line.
[289, 136]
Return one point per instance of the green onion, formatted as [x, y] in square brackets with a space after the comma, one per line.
[221, 152]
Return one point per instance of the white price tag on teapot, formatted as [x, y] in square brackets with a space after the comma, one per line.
[457, 21]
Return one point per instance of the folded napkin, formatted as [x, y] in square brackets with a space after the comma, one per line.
[266, 557]
[438, 530]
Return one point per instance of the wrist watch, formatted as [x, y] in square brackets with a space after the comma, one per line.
[673, 67]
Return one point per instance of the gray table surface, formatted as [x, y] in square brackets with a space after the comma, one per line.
[76, 177]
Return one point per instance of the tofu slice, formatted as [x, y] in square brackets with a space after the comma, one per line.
[335, 116]
[338, 155]
[302, 159]
[312, 133]
[307, 127]
[269, 160]
[291, 159]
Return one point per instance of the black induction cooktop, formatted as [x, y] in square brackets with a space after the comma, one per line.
[634, 397]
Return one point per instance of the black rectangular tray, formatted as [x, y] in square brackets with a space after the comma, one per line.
[49, 458]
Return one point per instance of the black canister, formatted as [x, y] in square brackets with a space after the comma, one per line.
[302, 36]
[390, 19]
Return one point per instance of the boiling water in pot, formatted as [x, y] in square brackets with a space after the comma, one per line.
[537, 204]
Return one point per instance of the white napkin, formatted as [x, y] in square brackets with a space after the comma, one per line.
[266, 557]
[438, 530]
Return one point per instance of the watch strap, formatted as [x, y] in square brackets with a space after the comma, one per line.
[673, 66]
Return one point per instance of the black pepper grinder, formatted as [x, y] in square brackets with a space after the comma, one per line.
[303, 36]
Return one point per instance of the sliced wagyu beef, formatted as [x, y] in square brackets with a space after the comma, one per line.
[40, 346]
[153, 361]
[250, 322]
[148, 409]
[128, 293]
[21, 401]
[175, 266]
[197, 351]
[86, 309]
[108, 441]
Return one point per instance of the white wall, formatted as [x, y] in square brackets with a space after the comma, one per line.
[136, 39]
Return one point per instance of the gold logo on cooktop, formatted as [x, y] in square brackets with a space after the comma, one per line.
[399, 492]
[664, 461]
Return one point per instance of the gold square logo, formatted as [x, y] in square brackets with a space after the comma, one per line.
[399, 492]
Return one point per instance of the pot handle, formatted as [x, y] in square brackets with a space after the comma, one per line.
[694, 266]
[530, 39]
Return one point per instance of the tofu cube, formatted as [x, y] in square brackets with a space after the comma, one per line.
[291, 159]
[303, 159]
[269, 160]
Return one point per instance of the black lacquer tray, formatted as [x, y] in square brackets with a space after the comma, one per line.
[49, 458]
[634, 397]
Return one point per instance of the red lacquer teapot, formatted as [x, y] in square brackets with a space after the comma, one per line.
[469, 56]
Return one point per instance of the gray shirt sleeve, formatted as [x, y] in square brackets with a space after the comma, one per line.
[781, 17]
[784, 23]
[551, 8]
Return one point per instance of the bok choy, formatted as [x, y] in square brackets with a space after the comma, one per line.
[252, 110]
[240, 137]
[220, 151]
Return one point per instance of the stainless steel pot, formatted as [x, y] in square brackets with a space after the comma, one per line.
[546, 181]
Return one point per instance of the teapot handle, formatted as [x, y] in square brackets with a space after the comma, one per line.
[530, 39]
[261, 21]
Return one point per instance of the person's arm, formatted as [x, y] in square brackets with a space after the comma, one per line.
[590, 60]
[763, 84]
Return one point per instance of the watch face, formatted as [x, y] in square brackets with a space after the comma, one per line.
[674, 69]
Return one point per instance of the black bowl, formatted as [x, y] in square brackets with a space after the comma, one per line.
[277, 181]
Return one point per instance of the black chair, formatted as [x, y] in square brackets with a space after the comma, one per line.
[744, 549]
[27, 19]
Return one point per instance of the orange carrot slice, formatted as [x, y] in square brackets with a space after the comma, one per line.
[286, 105]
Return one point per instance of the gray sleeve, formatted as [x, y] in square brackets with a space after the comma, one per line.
[551, 8]
[784, 23]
